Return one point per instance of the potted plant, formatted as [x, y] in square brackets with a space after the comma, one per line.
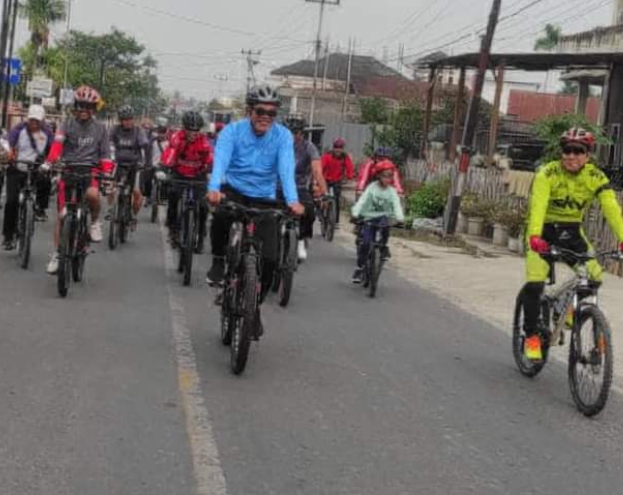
[500, 219]
[515, 221]
[476, 210]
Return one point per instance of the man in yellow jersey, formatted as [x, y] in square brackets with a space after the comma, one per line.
[561, 193]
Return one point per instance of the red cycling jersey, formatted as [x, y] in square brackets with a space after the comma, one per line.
[188, 159]
[335, 169]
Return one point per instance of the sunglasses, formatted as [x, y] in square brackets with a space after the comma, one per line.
[85, 106]
[573, 150]
[262, 112]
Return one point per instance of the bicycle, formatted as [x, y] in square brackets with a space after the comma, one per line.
[326, 211]
[121, 217]
[158, 197]
[74, 240]
[288, 260]
[242, 282]
[188, 214]
[377, 254]
[26, 215]
[572, 305]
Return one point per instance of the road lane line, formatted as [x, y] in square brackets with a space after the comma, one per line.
[204, 451]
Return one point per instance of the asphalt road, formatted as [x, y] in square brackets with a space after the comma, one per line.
[123, 388]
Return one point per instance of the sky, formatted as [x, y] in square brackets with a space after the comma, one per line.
[198, 43]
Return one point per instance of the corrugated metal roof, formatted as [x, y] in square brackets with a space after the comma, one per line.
[530, 107]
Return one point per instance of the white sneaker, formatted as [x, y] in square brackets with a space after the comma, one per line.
[52, 268]
[96, 232]
[302, 250]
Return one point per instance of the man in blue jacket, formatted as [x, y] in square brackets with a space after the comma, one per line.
[251, 156]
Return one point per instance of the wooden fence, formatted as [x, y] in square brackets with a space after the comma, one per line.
[490, 184]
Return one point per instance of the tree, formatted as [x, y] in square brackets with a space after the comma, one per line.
[374, 111]
[551, 38]
[41, 14]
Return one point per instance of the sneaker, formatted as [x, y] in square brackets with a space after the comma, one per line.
[217, 271]
[199, 247]
[109, 214]
[302, 250]
[385, 253]
[218, 300]
[8, 244]
[52, 267]
[532, 348]
[133, 224]
[40, 216]
[96, 232]
[357, 276]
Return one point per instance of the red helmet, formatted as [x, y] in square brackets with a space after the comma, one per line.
[86, 94]
[339, 143]
[577, 135]
[383, 166]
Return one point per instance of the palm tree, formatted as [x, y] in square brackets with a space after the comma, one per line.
[41, 14]
[551, 38]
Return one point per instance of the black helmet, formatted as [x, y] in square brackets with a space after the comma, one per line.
[192, 121]
[126, 112]
[263, 94]
[295, 123]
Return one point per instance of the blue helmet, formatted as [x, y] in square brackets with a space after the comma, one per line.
[383, 152]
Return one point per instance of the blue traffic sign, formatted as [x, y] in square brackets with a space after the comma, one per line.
[15, 66]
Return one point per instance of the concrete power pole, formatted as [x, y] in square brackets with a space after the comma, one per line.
[322, 3]
[251, 62]
[454, 199]
[617, 12]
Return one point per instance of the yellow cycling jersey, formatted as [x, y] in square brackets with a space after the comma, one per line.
[561, 197]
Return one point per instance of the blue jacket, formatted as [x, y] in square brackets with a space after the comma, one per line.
[252, 164]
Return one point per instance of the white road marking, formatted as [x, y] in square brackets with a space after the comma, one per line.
[206, 461]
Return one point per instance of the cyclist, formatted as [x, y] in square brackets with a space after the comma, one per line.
[308, 166]
[365, 172]
[131, 149]
[251, 155]
[379, 203]
[188, 156]
[561, 193]
[158, 143]
[336, 166]
[29, 141]
[81, 139]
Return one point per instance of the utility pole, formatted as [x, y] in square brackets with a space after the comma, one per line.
[454, 199]
[7, 87]
[4, 34]
[322, 3]
[251, 62]
[351, 49]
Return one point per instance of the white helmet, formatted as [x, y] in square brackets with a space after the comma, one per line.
[36, 112]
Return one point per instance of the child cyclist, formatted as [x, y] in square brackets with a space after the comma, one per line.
[378, 205]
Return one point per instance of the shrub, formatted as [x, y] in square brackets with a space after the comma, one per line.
[429, 201]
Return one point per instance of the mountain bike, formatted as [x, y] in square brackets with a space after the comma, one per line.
[26, 214]
[190, 232]
[121, 218]
[326, 211]
[377, 254]
[288, 259]
[574, 306]
[74, 240]
[158, 197]
[242, 281]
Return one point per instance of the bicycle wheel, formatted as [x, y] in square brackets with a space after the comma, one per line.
[590, 360]
[331, 217]
[65, 254]
[527, 367]
[277, 275]
[113, 239]
[155, 201]
[188, 245]
[228, 317]
[241, 333]
[376, 267]
[80, 254]
[124, 216]
[26, 231]
[287, 274]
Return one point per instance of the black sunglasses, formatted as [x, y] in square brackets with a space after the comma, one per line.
[573, 150]
[83, 105]
[261, 112]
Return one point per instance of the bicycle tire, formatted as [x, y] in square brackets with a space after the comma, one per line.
[124, 214]
[376, 267]
[527, 368]
[241, 333]
[287, 274]
[188, 245]
[65, 255]
[113, 240]
[601, 352]
[276, 285]
[331, 219]
[79, 258]
[26, 231]
[155, 200]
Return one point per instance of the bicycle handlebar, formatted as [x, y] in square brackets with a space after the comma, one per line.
[237, 208]
[556, 253]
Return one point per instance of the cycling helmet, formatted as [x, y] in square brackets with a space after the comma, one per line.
[383, 166]
[383, 152]
[263, 94]
[295, 123]
[580, 136]
[339, 143]
[219, 127]
[192, 121]
[126, 112]
[162, 122]
[86, 94]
